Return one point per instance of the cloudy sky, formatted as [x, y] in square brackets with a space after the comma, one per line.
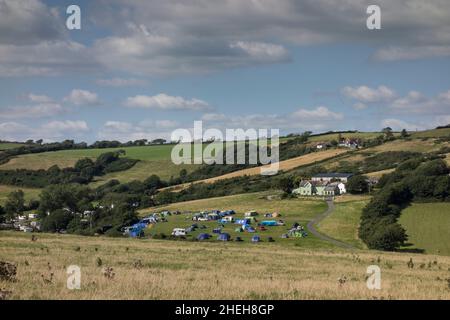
[140, 69]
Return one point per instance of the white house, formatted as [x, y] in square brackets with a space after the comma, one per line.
[335, 176]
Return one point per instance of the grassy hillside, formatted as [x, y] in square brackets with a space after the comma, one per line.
[158, 269]
[428, 227]
[434, 133]
[154, 160]
[343, 223]
[335, 136]
[29, 193]
[291, 210]
[9, 145]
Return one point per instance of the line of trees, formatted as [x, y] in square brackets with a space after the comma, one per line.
[413, 180]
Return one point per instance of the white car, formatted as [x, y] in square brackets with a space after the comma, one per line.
[178, 232]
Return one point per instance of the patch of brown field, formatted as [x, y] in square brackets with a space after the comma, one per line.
[285, 165]
[37, 162]
[352, 197]
[351, 158]
[192, 270]
[447, 158]
[415, 145]
[378, 174]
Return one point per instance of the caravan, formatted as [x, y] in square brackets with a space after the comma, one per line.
[179, 232]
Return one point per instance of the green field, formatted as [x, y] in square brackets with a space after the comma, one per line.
[355, 135]
[435, 133]
[154, 160]
[343, 223]
[29, 193]
[428, 227]
[10, 145]
[291, 210]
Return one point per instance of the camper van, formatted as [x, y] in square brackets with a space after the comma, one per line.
[178, 232]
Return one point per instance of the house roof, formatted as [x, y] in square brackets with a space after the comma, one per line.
[320, 183]
[333, 175]
[304, 183]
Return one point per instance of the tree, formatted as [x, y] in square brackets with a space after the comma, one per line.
[153, 182]
[159, 141]
[15, 204]
[286, 184]
[357, 184]
[387, 132]
[56, 221]
[183, 173]
[404, 133]
[2, 215]
[387, 237]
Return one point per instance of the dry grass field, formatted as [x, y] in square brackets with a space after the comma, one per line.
[159, 269]
[285, 165]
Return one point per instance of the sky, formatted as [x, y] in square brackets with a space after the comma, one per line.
[141, 69]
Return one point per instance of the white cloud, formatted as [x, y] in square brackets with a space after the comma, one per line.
[214, 117]
[320, 113]
[80, 97]
[166, 123]
[359, 106]
[28, 21]
[318, 118]
[67, 126]
[369, 95]
[126, 131]
[411, 53]
[122, 82]
[47, 58]
[163, 101]
[39, 98]
[398, 125]
[262, 51]
[32, 111]
[51, 131]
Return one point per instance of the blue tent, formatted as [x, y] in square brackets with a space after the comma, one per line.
[136, 232]
[224, 237]
[269, 223]
[249, 229]
[242, 221]
[203, 236]
[139, 225]
[256, 238]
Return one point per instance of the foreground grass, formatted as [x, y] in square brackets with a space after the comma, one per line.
[192, 270]
[343, 223]
[428, 227]
[291, 210]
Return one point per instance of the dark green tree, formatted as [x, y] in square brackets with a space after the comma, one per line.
[357, 184]
[15, 204]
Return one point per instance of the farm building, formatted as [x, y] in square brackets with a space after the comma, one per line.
[320, 188]
[333, 176]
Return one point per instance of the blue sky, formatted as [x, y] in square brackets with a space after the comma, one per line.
[142, 69]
